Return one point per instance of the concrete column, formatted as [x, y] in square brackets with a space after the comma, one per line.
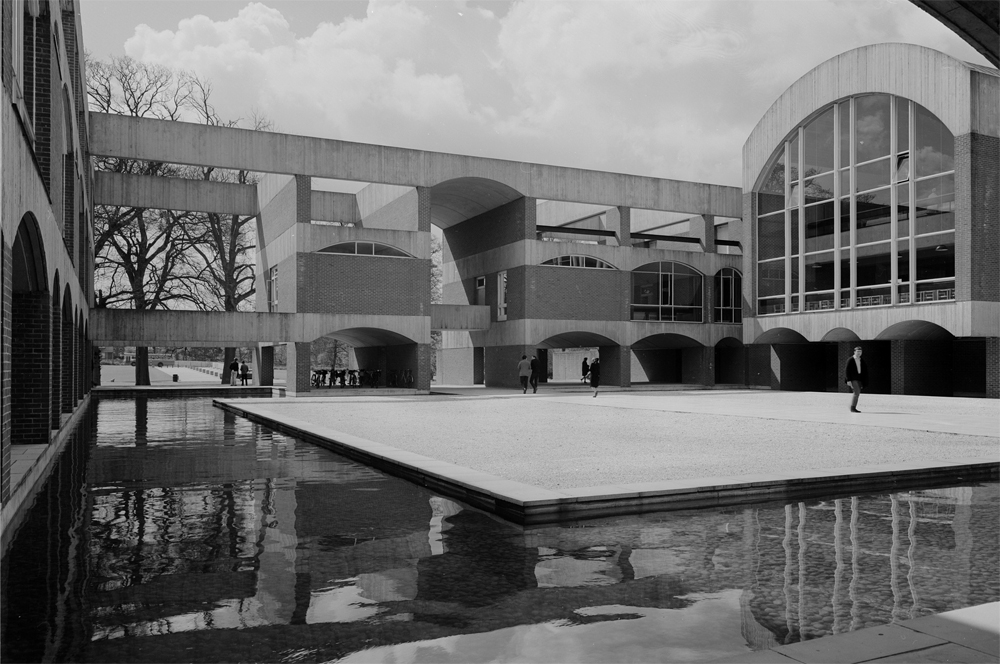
[298, 366]
[620, 221]
[616, 365]
[703, 228]
[263, 365]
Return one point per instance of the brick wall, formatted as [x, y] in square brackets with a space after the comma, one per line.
[30, 365]
[57, 363]
[730, 364]
[503, 225]
[993, 367]
[969, 367]
[5, 365]
[69, 201]
[661, 365]
[298, 368]
[616, 365]
[8, 56]
[573, 293]
[759, 372]
[500, 365]
[349, 284]
[43, 97]
[922, 367]
[67, 361]
[698, 365]
[985, 217]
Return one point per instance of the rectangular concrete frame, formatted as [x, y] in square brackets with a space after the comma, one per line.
[528, 505]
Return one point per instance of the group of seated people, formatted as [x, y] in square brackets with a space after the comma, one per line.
[361, 378]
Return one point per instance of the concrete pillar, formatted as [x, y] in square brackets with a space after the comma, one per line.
[620, 221]
[456, 366]
[263, 365]
[703, 228]
[616, 365]
[298, 367]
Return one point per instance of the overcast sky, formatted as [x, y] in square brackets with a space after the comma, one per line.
[666, 88]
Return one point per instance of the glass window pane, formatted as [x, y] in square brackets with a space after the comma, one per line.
[648, 267]
[936, 257]
[934, 146]
[771, 278]
[874, 214]
[342, 248]
[774, 182]
[795, 232]
[819, 272]
[795, 275]
[666, 289]
[645, 288]
[767, 203]
[819, 188]
[873, 175]
[817, 144]
[845, 133]
[794, 196]
[687, 290]
[793, 158]
[845, 222]
[902, 124]
[935, 206]
[845, 269]
[871, 127]
[366, 248]
[845, 182]
[903, 210]
[902, 168]
[903, 261]
[874, 264]
[819, 227]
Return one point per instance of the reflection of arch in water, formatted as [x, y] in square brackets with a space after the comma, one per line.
[31, 314]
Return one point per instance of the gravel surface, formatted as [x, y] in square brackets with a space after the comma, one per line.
[561, 441]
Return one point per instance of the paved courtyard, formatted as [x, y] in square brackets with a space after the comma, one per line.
[561, 438]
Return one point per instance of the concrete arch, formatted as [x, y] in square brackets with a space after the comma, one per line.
[780, 335]
[914, 330]
[573, 333]
[840, 334]
[28, 265]
[456, 200]
[576, 339]
[729, 342]
[914, 72]
[362, 337]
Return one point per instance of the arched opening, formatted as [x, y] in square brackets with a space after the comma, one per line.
[31, 319]
[667, 291]
[672, 359]
[927, 359]
[68, 363]
[730, 362]
[361, 357]
[560, 358]
[55, 340]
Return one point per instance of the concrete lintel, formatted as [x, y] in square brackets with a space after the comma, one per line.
[271, 152]
[160, 193]
[223, 328]
[459, 317]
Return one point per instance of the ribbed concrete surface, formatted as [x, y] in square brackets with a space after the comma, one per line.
[559, 439]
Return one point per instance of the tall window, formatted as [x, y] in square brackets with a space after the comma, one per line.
[272, 289]
[835, 204]
[728, 306]
[667, 291]
[502, 295]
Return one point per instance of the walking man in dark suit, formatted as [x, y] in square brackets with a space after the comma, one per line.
[857, 377]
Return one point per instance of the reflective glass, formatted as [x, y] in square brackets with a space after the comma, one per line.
[648, 267]
[687, 290]
[366, 248]
[771, 278]
[938, 290]
[934, 146]
[819, 302]
[874, 264]
[935, 205]
[902, 125]
[767, 203]
[874, 212]
[774, 182]
[793, 158]
[819, 227]
[903, 210]
[645, 287]
[795, 232]
[819, 188]
[871, 127]
[645, 313]
[845, 270]
[771, 236]
[902, 168]
[872, 175]
[817, 144]
[386, 250]
[936, 257]
[903, 261]
[680, 268]
[794, 196]
[687, 314]
[343, 248]
[666, 289]
[819, 272]
[845, 133]
[845, 222]
[774, 305]
[845, 182]
[795, 275]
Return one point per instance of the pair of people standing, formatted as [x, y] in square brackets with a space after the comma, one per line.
[242, 370]
[527, 372]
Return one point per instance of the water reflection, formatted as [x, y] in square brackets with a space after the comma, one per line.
[220, 540]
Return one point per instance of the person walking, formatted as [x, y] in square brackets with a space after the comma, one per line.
[524, 372]
[857, 377]
[234, 371]
[534, 375]
[244, 373]
[595, 375]
[584, 370]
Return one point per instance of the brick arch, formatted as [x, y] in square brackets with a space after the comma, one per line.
[68, 359]
[31, 319]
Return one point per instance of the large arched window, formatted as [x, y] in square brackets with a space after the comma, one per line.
[667, 291]
[575, 260]
[727, 297]
[365, 249]
[856, 209]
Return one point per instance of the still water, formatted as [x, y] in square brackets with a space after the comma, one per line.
[174, 532]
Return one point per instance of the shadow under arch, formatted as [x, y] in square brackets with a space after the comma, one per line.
[915, 330]
[31, 351]
[840, 334]
[576, 339]
[781, 335]
[730, 362]
[671, 358]
[386, 352]
[457, 200]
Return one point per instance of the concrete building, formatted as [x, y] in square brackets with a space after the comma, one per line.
[870, 199]
[46, 224]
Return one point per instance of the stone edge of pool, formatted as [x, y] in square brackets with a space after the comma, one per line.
[528, 505]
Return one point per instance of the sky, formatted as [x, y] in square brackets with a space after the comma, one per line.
[663, 88]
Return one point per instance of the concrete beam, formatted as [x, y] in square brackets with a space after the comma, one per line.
[160, 193]
[459, 317]
[335, 206]
[269, 152]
